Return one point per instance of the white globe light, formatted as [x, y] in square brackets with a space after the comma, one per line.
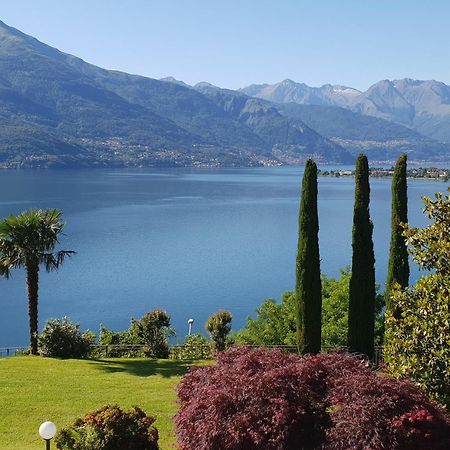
[47, 430]
[191, 321]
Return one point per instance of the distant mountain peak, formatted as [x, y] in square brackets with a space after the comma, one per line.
[287, 81]
[340, 89]
[205, 84]
[174, 81]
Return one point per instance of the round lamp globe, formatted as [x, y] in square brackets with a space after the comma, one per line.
[47, 430]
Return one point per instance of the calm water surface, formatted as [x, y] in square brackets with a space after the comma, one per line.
[189, 241]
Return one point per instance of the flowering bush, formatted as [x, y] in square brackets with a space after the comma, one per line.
[110, 428]
[257, 399]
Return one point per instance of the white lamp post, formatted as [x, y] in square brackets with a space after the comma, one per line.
[47, 431]
[190, 322]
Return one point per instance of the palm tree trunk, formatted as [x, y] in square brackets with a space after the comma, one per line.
[32, 284]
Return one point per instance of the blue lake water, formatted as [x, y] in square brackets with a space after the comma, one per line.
[188, 241]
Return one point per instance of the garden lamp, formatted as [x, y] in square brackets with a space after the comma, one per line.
[47, 431]
[190, 322]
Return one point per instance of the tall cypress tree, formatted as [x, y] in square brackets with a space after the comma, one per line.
[308, 285]
[398, 268]
[361, 313]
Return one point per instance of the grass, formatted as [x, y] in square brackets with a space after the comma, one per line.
[35, 389]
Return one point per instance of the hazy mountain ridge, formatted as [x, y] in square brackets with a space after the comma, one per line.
[380, 139]
[421, 105]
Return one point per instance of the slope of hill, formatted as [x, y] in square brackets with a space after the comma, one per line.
[56, 109]
[421, 105]
[290, 137]
[380, 139]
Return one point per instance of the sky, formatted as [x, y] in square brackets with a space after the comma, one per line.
[234, 43]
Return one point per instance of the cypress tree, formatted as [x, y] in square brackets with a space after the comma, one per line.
[398, 268]
[361, 313]
[308, 282]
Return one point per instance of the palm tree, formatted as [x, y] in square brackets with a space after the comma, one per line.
[28, 240]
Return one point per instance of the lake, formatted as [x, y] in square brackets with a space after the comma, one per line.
[190, 241]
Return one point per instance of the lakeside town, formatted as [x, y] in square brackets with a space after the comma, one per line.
[429, 173]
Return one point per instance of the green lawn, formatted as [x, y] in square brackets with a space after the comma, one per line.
[35, 389]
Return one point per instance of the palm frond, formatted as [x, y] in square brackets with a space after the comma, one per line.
[4, 270]
[53, 261]
[32, 235]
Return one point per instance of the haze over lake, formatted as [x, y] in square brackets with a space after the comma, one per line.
[185, 240]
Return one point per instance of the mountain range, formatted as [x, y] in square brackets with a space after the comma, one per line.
[57, 110]
[423, 106]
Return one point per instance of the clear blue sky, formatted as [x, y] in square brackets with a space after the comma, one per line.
[233, 43]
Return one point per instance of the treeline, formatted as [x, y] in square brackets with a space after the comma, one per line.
[362, 289]
[146, 337]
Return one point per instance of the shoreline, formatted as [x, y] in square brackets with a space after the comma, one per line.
[428, 173]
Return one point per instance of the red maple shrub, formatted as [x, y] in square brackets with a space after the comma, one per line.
[372, 411]
[255, 399]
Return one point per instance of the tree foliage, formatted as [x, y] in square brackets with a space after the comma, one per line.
[261, 399]
[308, 284]
[335, 304]
[218, 326]
[398, 267]
[430, 246]
[275, 322]
[418, 331]
[361, 313]
[27, 241]
[335, 295]
[61, 338]
[152, 331]
[195, 347]
[110, 428]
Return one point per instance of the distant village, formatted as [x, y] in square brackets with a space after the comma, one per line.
[428, 173]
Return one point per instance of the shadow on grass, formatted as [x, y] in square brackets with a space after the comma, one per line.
[144, 368]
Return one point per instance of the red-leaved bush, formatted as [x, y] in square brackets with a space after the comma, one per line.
[269, 400]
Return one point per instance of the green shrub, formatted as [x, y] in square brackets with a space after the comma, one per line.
[218, 326]
[195, 346]
[153, 330]
[118, 344]
[418, 320]
[418, 337]
[149, 336]
[110, 428]
[275, 324]
[61, 338]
